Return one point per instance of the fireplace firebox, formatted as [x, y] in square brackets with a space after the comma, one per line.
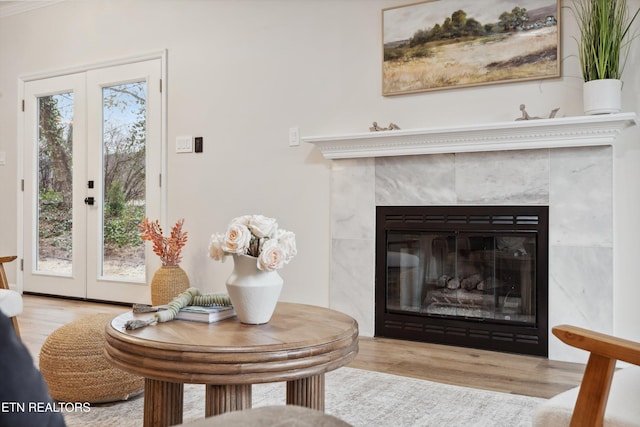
[471, 276]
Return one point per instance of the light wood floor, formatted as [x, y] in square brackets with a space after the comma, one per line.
[531, 376]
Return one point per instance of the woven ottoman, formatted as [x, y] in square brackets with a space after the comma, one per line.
[73, 364]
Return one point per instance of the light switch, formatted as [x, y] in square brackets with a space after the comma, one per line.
[184, 144]
[3, 158]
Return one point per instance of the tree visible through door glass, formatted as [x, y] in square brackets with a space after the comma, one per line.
[55, 184]
[123, 159]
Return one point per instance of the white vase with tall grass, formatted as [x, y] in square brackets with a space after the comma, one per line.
[603, 48]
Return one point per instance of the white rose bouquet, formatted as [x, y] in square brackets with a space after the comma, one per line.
[257, 236]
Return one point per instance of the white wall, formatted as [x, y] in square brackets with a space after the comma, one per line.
[240, 73]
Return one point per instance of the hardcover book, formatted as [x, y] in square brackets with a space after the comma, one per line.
[198, 313]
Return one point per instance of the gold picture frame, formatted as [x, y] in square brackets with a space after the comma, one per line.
[445, 44]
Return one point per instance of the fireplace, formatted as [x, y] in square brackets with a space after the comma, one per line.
[472, 276]
[565, 163]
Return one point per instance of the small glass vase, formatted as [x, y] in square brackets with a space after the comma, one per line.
[254, 293]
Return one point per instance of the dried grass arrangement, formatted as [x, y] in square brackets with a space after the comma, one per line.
[605, 37]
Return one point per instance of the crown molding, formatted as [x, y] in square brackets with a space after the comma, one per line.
[11, 8]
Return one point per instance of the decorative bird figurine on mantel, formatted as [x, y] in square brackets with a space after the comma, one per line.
[526, 116]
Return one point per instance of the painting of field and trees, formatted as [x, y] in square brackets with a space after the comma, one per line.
[445, 44]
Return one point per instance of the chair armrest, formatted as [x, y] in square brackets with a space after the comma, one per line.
[594, 390]
[598, 343]
[4, 284]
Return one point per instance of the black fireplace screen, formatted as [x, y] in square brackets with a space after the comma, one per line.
[464, 275]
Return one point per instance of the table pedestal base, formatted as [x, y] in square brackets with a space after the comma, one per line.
[162, 403]
[226, 398]
[307, 392]
[298, 346]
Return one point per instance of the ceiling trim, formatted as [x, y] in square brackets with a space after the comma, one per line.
[10, 8]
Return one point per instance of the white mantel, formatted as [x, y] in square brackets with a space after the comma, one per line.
[564, 163]
[578, 131]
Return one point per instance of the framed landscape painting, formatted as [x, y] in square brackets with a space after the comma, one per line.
[444, 44]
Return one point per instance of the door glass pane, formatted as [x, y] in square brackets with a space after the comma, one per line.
[55, 184]
[123, 159]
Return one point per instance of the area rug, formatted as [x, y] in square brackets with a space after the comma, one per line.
[359, 397]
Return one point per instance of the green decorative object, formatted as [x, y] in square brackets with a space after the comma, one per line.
[603, 48]
[190, 296]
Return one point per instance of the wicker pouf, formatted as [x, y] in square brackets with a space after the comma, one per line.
[73, 364]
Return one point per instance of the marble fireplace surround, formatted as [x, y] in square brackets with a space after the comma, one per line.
[565, 163]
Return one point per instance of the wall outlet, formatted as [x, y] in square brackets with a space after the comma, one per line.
[294, 137]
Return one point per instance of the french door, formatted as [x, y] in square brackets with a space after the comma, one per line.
[92, 163]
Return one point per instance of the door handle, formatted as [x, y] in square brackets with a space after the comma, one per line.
[89, 201]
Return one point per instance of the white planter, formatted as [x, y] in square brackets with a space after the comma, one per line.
[254, 293]
[602, 96]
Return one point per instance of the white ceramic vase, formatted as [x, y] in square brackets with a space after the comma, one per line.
[603, 96]
[254, 293]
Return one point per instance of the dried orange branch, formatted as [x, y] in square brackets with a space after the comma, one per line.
[169, 249]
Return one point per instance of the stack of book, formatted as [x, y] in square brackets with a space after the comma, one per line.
[197, 313]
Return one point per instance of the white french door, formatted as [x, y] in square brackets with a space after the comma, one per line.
[92, 161]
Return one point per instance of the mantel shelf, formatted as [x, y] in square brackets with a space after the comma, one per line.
[578, 131]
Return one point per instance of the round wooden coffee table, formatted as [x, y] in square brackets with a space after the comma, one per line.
[298, 345]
